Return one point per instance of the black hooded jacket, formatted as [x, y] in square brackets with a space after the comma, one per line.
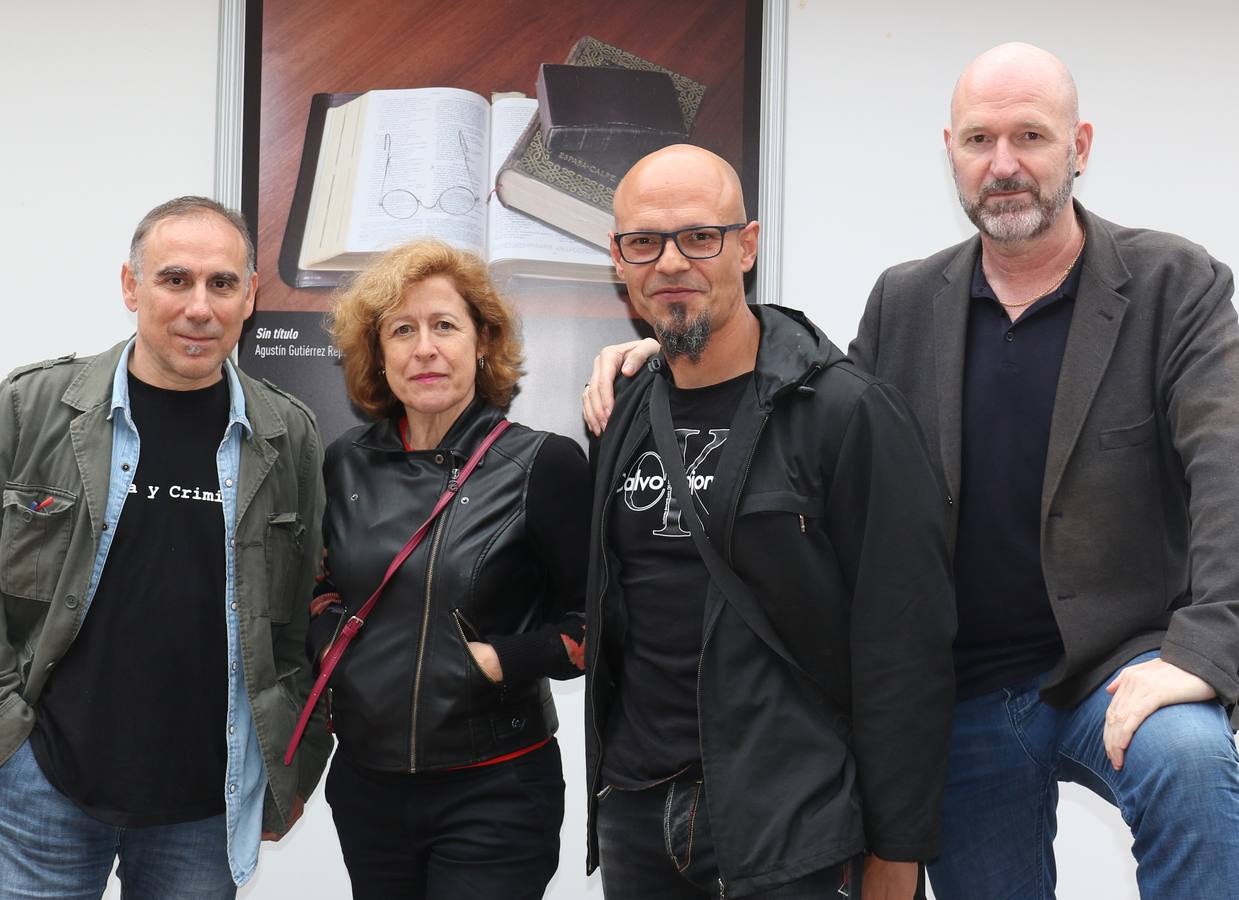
[832, 514]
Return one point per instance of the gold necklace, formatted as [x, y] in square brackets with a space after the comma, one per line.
[1055, 286]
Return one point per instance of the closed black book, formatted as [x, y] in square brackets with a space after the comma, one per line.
[572, 191]
[609, 114]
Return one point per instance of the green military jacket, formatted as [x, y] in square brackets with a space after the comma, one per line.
[56, 441]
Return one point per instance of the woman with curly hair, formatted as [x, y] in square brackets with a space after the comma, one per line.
[447, 781]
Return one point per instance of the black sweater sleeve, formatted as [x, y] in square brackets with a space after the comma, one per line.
[557, 523]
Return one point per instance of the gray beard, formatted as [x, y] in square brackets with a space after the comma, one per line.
[1018, 221]
[681, 337]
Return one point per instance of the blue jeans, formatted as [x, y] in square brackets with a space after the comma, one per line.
[51, 849]
[1178, 792]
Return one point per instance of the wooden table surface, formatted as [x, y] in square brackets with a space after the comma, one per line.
[323, 46]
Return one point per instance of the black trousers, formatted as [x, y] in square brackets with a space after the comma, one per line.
[655, 844]
[490, 833]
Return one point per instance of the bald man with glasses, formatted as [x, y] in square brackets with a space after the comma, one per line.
[770, 611]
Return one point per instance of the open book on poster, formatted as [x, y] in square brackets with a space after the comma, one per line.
[395, 165]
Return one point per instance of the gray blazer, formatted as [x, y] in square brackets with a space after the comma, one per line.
[1140, 499]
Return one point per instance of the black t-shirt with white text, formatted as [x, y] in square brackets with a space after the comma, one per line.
[131, 724]
[652, 731]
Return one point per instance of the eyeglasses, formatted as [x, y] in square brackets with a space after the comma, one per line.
[698, 242]
[402, 203]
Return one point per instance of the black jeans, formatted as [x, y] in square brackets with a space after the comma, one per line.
[490, 833]
[655, 844]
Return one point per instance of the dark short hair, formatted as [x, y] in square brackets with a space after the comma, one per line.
[184, 207]
[380, 288]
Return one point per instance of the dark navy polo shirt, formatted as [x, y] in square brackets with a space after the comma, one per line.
[1007, 632]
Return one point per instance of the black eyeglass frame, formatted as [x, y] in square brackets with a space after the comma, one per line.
[675, 236]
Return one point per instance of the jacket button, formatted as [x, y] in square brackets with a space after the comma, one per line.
[70, 601]
[27, 515]
[518, 724]
[439, 458]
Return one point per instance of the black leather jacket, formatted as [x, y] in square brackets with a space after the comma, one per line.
[829, 510]
[408, 695]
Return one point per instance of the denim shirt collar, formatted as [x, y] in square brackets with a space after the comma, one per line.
[236, 397]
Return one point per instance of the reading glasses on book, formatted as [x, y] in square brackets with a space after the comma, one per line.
[698, 242]
[401, 203]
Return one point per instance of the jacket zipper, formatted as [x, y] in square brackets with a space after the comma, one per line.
[593, 647]
[744, 474]
[595, 640]
[421, 644]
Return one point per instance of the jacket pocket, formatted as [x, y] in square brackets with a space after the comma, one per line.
[35, 529]
[779, 502]
[1128, 435]
[285, 682]
[285, 535]
[789, 514]
[468, 633]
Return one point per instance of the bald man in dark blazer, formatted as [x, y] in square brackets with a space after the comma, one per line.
[1079, 382]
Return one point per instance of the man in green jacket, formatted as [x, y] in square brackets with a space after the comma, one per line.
[177, 501]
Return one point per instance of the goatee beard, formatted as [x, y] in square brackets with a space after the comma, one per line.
[680, 336]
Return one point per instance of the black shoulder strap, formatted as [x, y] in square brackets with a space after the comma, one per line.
[734, 590]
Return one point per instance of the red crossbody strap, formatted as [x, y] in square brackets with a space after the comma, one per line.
[353, 625]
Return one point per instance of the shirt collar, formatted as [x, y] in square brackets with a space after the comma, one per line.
[236, 397]
[981, 290]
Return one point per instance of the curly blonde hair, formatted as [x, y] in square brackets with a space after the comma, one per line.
[380, 288]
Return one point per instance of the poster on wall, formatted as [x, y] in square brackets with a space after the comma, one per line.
[501, 127]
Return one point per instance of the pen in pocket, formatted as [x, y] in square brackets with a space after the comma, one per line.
[42, 505]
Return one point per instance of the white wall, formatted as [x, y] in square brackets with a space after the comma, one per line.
[868, 184]
[868, 91]
[111, 110]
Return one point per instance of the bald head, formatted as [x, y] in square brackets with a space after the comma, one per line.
[680, 214]
[1015, 72]
[664, 178]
